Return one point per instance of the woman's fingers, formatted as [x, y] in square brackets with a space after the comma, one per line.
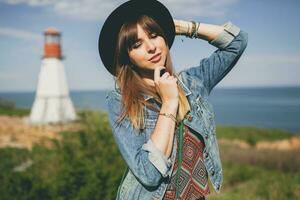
[171, 78]
[157, 73]
[165, 75]
[165, 78]
[165, 85]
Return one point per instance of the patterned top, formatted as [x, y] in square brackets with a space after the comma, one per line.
[193, 179]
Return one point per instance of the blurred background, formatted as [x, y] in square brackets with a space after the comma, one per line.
[257, 105]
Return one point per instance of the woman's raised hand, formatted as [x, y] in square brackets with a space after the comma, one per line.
[166, 86]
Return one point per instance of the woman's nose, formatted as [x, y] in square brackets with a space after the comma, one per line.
[150, 46]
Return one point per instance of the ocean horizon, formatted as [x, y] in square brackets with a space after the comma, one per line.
[264, 107]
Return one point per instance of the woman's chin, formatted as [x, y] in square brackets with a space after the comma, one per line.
[159, 64]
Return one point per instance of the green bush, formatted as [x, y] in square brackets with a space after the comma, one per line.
[8, 107]
[84, 165]
[6, 104]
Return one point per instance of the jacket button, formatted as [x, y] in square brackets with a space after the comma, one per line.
[213, 173]
[190, 118]
[206, 155]
[206, 136]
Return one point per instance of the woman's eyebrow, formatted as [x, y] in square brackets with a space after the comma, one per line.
[141, 39]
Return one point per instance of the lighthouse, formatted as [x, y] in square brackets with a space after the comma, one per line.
[52, 102]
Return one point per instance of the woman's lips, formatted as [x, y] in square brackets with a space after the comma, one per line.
[156, 58]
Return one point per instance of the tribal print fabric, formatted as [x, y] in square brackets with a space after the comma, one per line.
[193, 179]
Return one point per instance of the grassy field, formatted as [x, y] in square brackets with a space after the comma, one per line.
[252, 135]
[248, 182]
[78, 167]
[9, 108]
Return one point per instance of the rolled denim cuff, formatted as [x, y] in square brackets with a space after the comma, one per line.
[157, 158]
[225, 37]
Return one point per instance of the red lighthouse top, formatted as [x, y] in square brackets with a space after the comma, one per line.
[52, 43]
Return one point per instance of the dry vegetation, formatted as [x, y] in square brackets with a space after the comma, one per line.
[16, 132]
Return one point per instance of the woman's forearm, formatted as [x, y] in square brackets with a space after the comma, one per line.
[205, 31]
[163, 133]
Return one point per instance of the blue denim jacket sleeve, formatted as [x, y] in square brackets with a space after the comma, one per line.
[158, 158]
[231, 43]
[146, 161]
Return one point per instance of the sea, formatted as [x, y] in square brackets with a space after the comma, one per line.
[267, 107]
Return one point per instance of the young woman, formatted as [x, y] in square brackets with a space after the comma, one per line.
[161, 120]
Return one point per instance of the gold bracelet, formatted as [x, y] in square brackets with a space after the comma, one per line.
[170, 116]
[188, 31]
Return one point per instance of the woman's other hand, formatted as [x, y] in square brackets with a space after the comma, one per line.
[166, 86]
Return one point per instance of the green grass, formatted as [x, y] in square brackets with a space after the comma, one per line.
[248, 182]
[15, 112]
[9, 108]
[252, 135]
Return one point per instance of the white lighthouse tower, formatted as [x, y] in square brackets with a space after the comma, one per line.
[52, 102]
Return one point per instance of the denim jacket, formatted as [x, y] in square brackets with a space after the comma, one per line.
[149, 170]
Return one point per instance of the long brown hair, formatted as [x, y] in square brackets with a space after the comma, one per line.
[129, 79]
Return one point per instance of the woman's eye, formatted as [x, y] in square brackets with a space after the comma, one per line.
[135, 45]
[153, 35]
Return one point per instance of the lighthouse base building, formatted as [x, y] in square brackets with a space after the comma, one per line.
[52, 102]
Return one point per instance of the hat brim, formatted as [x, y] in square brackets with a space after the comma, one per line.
[127, 11]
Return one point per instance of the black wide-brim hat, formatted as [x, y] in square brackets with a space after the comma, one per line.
[126, 12]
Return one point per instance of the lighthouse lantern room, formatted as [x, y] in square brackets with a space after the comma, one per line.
[52, 43]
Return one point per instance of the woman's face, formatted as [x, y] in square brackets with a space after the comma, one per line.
[148, 52]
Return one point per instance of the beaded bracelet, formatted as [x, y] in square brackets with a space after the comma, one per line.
[193, 29]
[194, 32]
[170, 116]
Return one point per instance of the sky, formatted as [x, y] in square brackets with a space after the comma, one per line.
[271, 59]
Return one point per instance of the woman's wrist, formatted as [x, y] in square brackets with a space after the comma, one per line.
[170, 107]
[169, 110]
[182, 27]
[169, 115]
[203, 31]
[187, 28]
